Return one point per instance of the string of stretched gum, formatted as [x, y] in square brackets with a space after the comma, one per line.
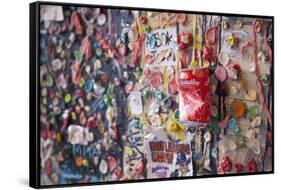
[183, 58]
[259, 84]
[210, 35]
[86, 48]
[137, 47]
[75, 21]
[267, 46]
[244, 47]
[200, 43]
[194, 37]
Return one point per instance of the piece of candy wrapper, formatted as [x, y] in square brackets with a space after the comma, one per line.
[195, 99]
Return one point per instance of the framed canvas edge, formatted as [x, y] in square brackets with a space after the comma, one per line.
[34, 94]
[34, 141]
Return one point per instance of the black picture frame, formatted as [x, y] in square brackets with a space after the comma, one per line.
[34, 93]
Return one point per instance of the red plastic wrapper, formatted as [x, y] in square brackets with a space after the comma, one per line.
[195, 99]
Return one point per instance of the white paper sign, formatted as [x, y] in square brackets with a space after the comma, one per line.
[135, 103]
[166, 158]
[162, 47]
[51, 13]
